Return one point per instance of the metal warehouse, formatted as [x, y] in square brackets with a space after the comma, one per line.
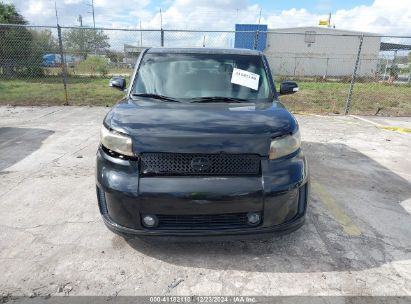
[314, 51]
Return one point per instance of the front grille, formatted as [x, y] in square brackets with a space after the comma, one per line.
[199, 164]
[216, 221]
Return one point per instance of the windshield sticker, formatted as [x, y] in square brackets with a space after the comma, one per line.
[245, 79]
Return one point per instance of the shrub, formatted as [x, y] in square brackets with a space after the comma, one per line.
[95, 65]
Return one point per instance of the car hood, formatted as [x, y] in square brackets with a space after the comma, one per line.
[157, 126]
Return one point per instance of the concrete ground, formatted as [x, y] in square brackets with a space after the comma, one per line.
[356, 240]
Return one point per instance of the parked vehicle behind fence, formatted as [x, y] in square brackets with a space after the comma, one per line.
[54, 60]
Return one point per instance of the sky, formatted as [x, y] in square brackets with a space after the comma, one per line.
[388, 17]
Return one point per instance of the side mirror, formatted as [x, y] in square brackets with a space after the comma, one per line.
[117, 83]
[288, 87]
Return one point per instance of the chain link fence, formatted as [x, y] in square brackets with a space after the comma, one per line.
[337, 73]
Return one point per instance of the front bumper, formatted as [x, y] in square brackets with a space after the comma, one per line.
[280, 194]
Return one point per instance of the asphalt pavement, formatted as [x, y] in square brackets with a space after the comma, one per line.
[356, 240]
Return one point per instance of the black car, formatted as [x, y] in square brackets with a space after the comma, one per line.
[200, 146]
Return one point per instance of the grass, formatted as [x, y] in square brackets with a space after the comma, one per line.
[367, 98]
[50, 91]
[313, 97]
[80, 70]
[317, 97]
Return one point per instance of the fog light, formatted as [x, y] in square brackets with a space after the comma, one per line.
[253, 218]
[150, 221]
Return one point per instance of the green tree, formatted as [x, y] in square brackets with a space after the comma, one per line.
[45, 42]
[394, 71]
[17, 52]
[115, 56]
[9, 14]
[85, 41]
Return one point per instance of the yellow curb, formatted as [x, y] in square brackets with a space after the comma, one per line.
[339, 215]
[395, 129]
[302, 113]
[390, 128]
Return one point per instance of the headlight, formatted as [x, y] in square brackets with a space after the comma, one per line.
[285, 145]
[116, 141]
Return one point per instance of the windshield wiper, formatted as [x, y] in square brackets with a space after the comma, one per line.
[217, 99]
[155, 96]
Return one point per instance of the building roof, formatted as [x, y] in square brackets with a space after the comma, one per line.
[203, 50]
[321, 29]
[385, 46]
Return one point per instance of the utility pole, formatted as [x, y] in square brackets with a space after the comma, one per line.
[57, 16]
[94, 19]
[94, 25]
[161, 29]
[161, 19]
[92, 12]
[257, 33]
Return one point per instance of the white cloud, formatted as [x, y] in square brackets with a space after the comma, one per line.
[291, 18]
[33, 9]
[382, 16]
[205, 14]
[72, 1]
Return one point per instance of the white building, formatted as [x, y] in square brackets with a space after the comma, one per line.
[131, 53]
[321, 51]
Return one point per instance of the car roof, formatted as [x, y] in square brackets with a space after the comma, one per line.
[204, 50]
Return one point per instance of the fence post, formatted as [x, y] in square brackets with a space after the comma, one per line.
[354, 74]
[326, 68]
[162, 37]
[385, 70]
[295, 65]
[257, 33]
[63, 65]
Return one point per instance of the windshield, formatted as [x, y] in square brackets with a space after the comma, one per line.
[193, 76]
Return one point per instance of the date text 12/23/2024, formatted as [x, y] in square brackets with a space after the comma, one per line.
[202, 299]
